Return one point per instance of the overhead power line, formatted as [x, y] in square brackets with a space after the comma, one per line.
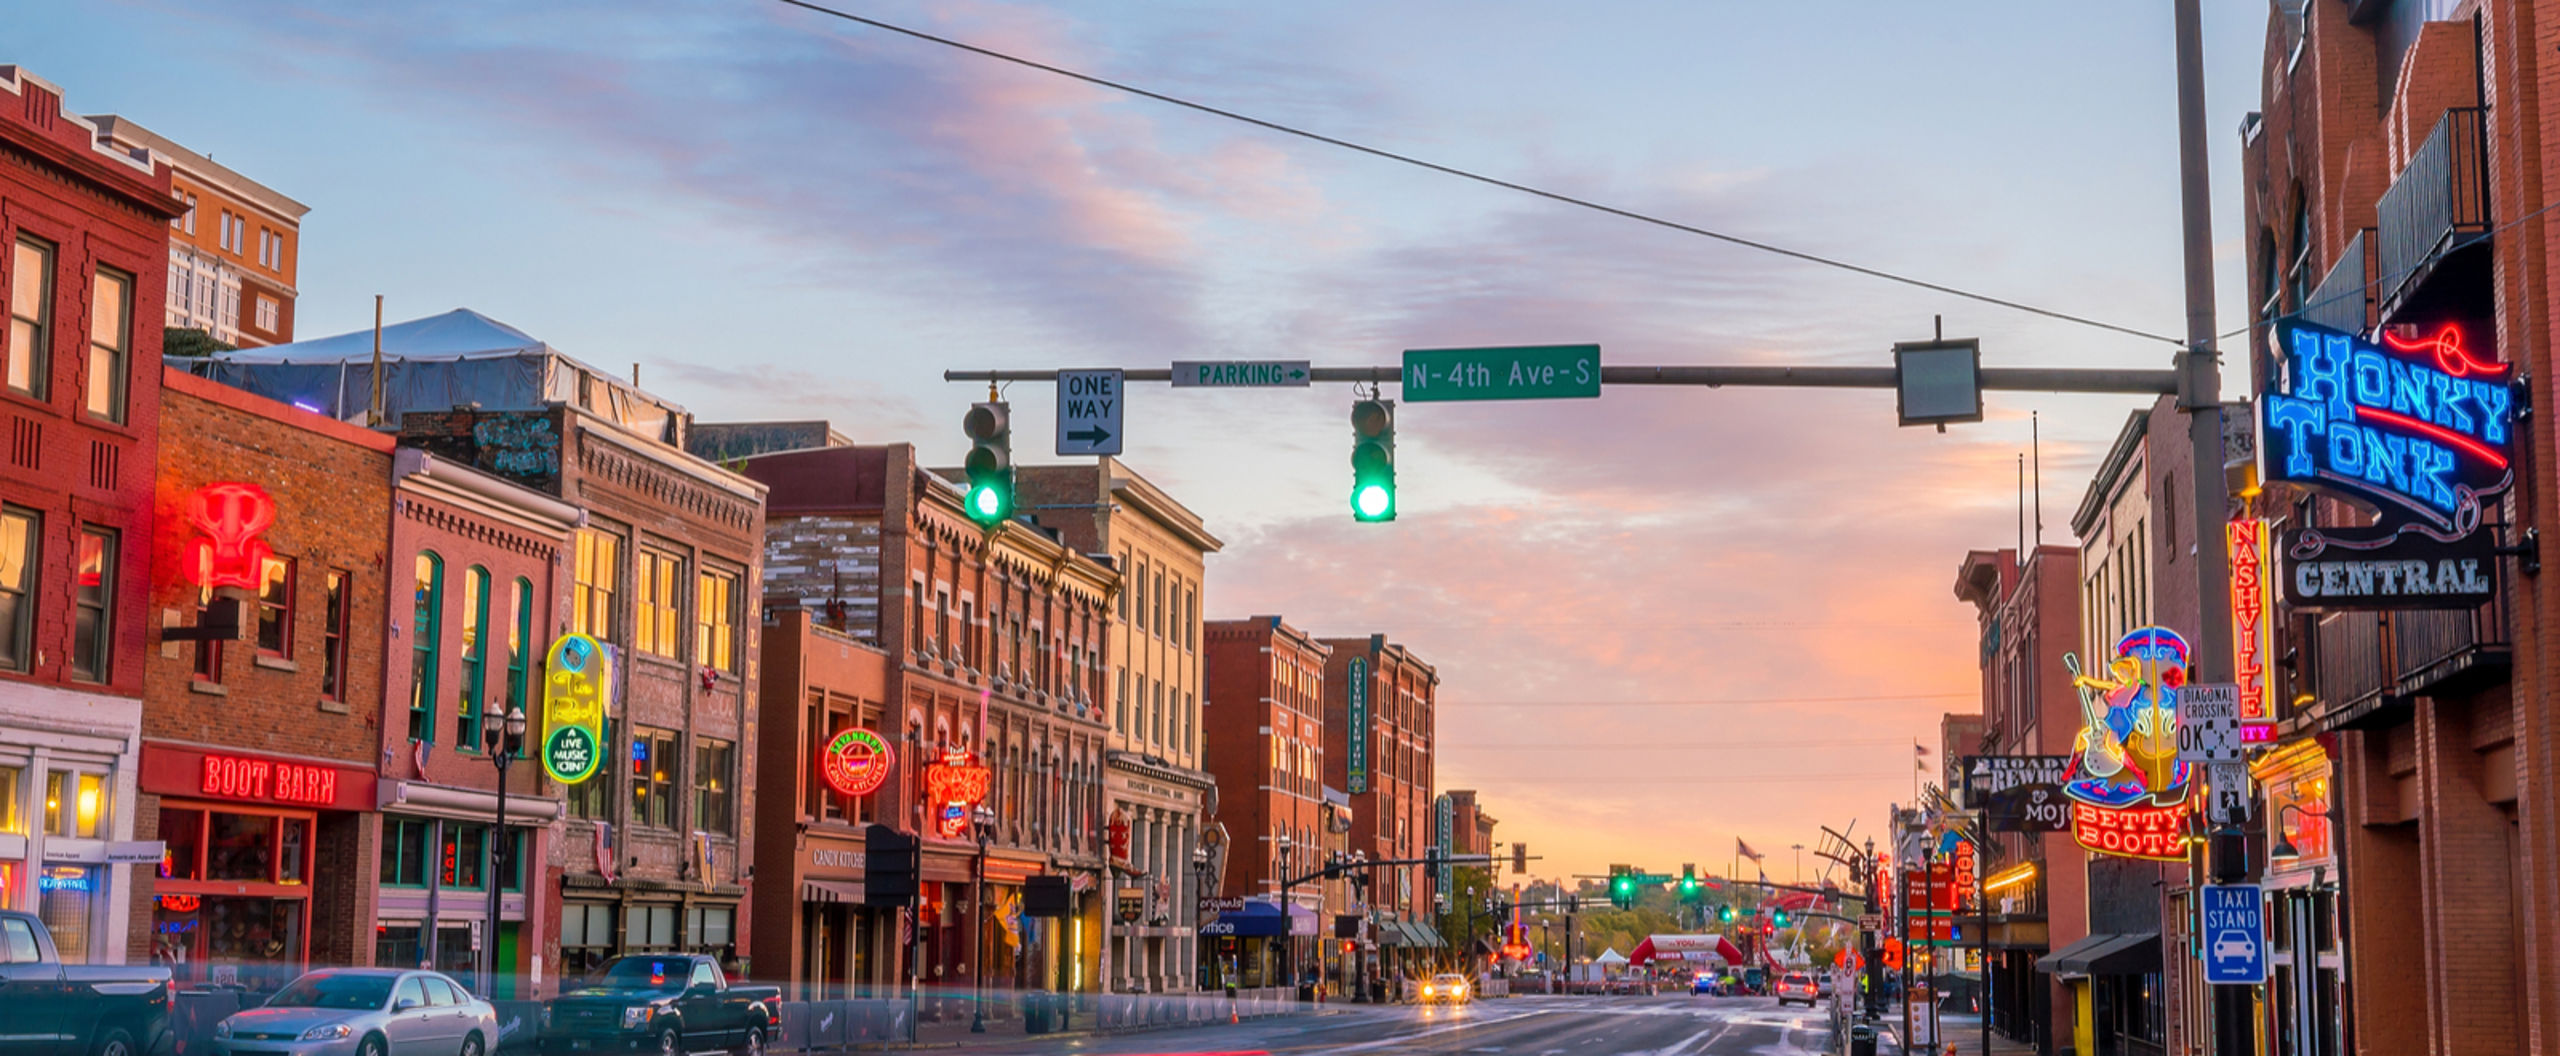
[1699, 703]
[1615, 746]
[1490, 181]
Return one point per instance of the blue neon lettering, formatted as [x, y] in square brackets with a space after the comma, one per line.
[2346, 412]
[2299, 420]
[2413, 392]
[2494, 399]
[2372, 375]
[2320, 372]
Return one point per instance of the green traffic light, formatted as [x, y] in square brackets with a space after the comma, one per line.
[1373, 501]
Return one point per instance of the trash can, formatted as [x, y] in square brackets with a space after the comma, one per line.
[1862, 1040]
[1035, 1013]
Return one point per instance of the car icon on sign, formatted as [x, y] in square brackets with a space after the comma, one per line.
[2234, 946]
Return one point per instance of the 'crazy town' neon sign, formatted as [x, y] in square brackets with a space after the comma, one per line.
[2421, 426]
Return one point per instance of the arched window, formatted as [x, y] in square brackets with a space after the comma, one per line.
[2299, 293]
[473, 699]
[425, 641]
[519, 638]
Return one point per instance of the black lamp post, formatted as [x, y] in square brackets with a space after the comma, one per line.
[2284, 852]
[503, 740]
[985, 823]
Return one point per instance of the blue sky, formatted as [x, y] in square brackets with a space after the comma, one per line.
[777, 214]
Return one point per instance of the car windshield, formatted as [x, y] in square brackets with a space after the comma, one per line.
[334, 991]
[645, 973]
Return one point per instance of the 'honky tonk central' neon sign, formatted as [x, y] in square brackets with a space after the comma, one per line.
[2418, 425]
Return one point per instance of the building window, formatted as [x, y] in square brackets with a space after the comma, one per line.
[474, 698]
[653, 777]
[21, 536]
[110, 339]
[519, 667]
[715, 629]
[649, 928]
[586, 937]
[593, 797]
[405, 858]
[654, 592]
[93, 607]
[270, 312]
[709, 929]
[275, 607]
[30, 317]
[75, 804]
[333, 638]
[208, 654]
[591, 599]
[426, 615]
[714, 763]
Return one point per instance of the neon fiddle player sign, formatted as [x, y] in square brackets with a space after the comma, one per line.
[2420, 426]
[2127, 788]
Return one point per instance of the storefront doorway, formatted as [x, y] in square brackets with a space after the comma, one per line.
[233, 900]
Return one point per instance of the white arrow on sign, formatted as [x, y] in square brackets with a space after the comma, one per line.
[1242, 374]
[1089, 406]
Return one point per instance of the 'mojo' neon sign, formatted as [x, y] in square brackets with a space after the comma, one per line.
[2416, 425]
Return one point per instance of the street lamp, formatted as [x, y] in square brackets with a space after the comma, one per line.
[504, 741]
[985, 823]
[2284, 852]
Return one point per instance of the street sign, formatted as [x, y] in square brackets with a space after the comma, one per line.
[1089, 407]
[2230, 802]
[1870, 922]
[2209, 723]
[1531, 372]
[1241, 374]
[2235, 935]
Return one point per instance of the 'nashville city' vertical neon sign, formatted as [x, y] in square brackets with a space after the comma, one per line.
[2421, 426]
[2251, 633]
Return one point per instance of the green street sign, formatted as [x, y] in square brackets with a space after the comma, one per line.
[1241, 374]
[1529, 372]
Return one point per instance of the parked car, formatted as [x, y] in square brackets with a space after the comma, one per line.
[666, 1004]
[1796, 986]
[90, 1009]
[1447, 987]
[362, 1012]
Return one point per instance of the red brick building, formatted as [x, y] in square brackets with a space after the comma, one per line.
[813, 934]
[83, 233]
[2395, 182]
[261, 754]
[1378, 715]
[2029, 617]
[995, 638]
[479, 565]
[1263, 741]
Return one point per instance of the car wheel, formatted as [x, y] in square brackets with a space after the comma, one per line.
[472, 1045]
[755, 1043]
[667, 1043]
[115, 1043]
[370, 1046]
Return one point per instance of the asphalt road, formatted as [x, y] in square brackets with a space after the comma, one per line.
[1669, 1025]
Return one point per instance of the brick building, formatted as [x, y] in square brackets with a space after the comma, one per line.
[2030, 617]
[478, 563]
[1263, 742]
[260, 755]
[819, 681]
[996, 641]
[1378, 714]
[2394, 182]
[234, 254]
[1152, 773]
[82, 225]
[1471, 828]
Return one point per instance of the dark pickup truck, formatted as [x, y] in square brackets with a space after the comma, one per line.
[663, 1004]
[48, 1008]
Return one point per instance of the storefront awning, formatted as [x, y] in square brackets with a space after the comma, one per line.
[830, 891]
[1259, 919]
[2104, 954]
[1426, 935]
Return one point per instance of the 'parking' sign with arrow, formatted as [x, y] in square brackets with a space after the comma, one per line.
[1089, 406]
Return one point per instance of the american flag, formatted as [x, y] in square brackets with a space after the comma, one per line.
[1744, 849]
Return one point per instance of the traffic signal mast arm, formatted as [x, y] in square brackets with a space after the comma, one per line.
[2009, 379]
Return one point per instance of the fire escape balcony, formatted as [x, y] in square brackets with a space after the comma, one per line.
[2443, 650]
[2435, 218]
[2350, 677]
[2345, 295]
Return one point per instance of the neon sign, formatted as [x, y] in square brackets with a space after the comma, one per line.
[856, 763]
[2252, 636]
[240, 777]
[68, 879]
[954, 787]
[573, 706]
[1356, 695]
[2125, 781]
[2413, 425]
[231, 515]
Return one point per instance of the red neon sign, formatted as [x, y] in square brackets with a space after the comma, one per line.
[2246, 538]
[2157, 833]
[956, 786]
[239, 777]
[856, 762]
[231, 514]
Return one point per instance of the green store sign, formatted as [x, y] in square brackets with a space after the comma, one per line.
[575, 693]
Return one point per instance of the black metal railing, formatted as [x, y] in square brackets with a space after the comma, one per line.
[2433, 646]
[2441, 195]
[2346, 293]
[2348, 665]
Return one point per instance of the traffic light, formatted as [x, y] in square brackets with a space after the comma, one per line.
[1622, 891]
[1519, 858]
[1373, 460]
[1778, 918]
[1689, 887]
[990, 465]
[1724, 914]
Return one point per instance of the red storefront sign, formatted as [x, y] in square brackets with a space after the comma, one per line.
[230, 515]
[2157, 833]
[211, 773]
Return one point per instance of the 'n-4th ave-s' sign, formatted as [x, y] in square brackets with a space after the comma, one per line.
[1533, 372]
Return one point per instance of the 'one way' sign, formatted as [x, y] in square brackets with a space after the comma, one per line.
[1089, 408]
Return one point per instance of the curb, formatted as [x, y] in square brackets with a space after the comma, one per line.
[1091, 1032]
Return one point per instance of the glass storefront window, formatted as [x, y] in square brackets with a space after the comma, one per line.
[292, 845]
[75, 804]
[64, 895]
[586, 937]
[242, 847]
[182, 831]
[649, 928]
[254, 942]
[9, 819]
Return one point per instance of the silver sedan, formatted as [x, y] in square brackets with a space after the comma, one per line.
[362, 1012]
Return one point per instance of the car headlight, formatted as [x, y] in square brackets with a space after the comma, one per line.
[633, 1018]
[222, 1029]
[326, 1032]
[1426, 991]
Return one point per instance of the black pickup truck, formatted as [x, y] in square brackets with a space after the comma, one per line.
[48, 1008]
[662, 1004]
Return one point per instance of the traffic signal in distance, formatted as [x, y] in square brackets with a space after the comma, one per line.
[1373, 460]
[1724, 914]
[1519, 858]
[990, 464]
[1689, 889]
[1622, 891]
[1778, 918]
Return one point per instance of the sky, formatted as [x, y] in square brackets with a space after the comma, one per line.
[1663, 619]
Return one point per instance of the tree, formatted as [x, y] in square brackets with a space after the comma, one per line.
[190, 342]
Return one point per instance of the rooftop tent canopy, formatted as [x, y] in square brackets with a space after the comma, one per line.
[1610, 956]
[433, 364]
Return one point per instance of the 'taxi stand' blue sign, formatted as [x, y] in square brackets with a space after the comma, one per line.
[2234, 929]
